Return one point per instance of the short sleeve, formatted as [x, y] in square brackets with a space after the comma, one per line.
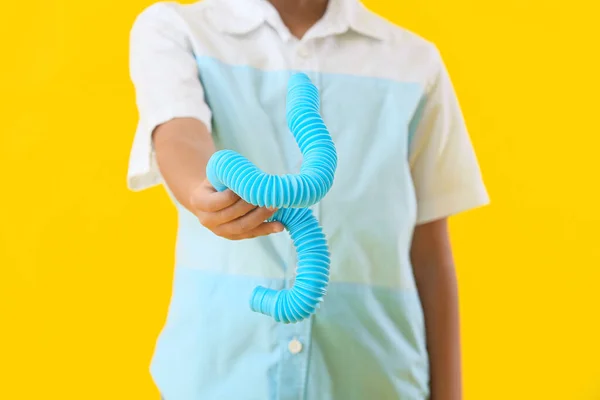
[165, 77]
[445, 171]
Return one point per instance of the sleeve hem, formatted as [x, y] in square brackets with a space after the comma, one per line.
[143, 171]
[452, 204]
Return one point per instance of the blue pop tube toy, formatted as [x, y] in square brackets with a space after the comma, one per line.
[291, 195]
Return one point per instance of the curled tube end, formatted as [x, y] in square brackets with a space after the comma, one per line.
[212, 171]
[292, 195]
[263, 300]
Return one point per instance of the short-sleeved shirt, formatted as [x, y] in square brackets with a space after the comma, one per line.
[405, 158]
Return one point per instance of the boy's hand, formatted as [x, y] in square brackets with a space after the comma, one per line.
[228, 216]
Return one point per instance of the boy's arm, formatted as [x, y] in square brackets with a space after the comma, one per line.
[173, 141]
[435, 276]
[447, 181]
[183, 147]
[174, 118]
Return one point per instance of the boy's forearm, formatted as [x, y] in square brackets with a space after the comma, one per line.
[437, 285]
[183, 147]
[439, 297]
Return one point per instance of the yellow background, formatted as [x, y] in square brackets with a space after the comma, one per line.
[85, 265]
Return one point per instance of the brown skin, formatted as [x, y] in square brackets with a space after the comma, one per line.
[183, 147]
[300, 15]
[433, 266]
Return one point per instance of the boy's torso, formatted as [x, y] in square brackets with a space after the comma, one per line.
[367, 341]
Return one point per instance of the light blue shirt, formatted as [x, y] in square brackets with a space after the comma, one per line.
[405, 158]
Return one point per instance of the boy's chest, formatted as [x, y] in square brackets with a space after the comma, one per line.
[368, 119]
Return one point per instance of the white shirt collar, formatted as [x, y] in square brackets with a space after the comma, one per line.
[239, 17]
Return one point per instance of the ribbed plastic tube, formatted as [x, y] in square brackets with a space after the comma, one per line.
[291, 194]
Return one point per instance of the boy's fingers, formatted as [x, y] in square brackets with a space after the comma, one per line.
[264, 229]
[206, 199]
[246, 223]
[220, 200]
[235, 211]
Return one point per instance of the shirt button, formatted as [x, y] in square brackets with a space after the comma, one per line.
[302, 52]
[295, 346]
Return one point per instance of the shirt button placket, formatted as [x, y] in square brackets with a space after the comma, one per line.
[303, 57]
[294, 363]
[295, 338]
[295, 347]
[306, 60]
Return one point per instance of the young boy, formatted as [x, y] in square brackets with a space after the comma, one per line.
[213, 75]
